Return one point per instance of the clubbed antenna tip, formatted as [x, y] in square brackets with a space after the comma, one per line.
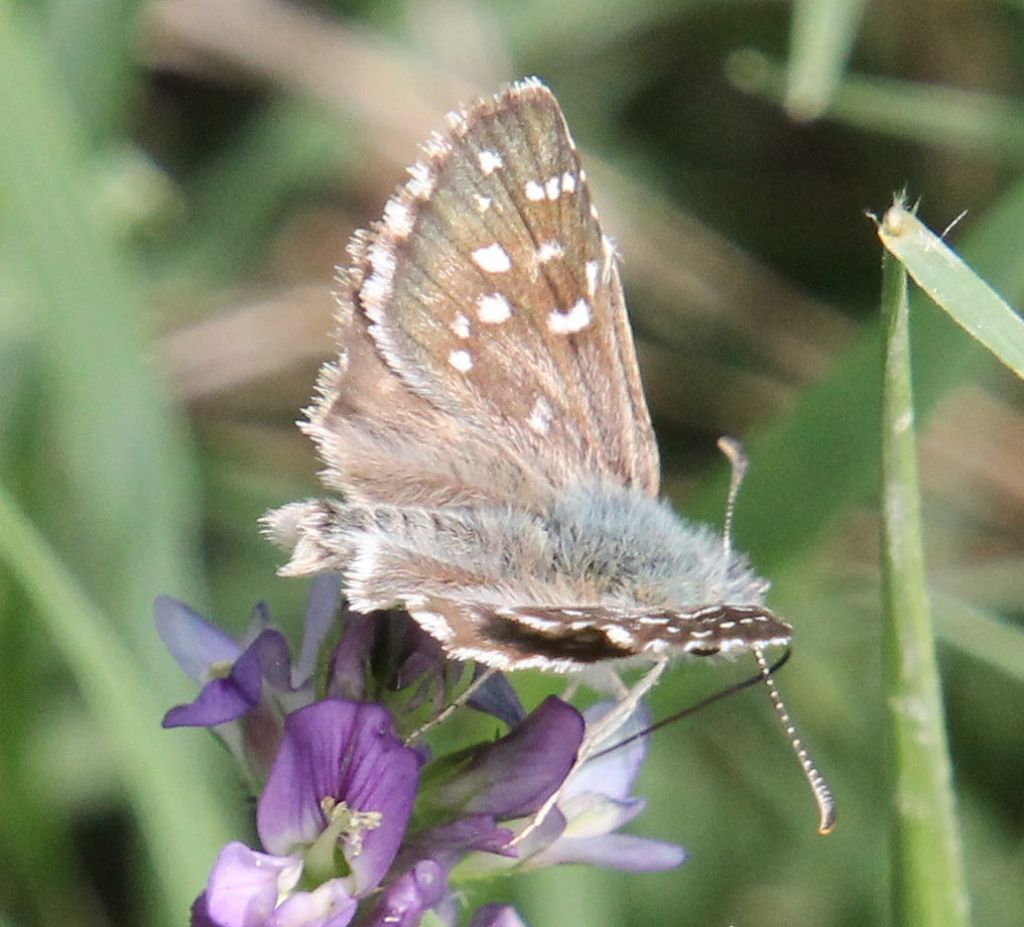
[822, 793]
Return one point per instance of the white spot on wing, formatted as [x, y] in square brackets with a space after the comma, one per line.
[483, 203]
[575, 319]
[460, 325]
[493, 309]
[490, 161]
[593, 268]
[549, 250]
[492, 258]
[540, 421]
[553, 188]
[434, 624]
[461, 361]
[536, 622]
[533, 190]
[568, 183]
[617, 634]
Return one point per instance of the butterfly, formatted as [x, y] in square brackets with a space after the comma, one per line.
[486, 428]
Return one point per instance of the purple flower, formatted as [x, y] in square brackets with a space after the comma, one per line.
[594, 803]
[387, 657]
[340, 772]
[247, 685]
[245, 890]
[339, 785]
[515, 775]
[332, 816]
[404, 902]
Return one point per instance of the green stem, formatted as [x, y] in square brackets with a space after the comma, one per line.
[927, 873]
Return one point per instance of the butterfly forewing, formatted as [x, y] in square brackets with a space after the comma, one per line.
[382, 442]
[494, 295]
[570, 638]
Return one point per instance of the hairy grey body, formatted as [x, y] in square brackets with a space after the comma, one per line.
[595, 545]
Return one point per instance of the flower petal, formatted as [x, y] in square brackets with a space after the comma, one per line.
[448, 843]
[351, 660]
[497, 697]
[221, 700]
[614, 851]
[321, 613]
[194, 643]
[228, 698]
[244, 886]
[614, 773]
[329, 905]
[404, 902]
[513, 776]
[592, 815]
[275, 659]
[347, 752]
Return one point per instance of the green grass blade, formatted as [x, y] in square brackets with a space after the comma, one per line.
[120, 452]
[974, 631]
[823, 32]
[93, 46]
[923, 113]
[927, 873]
[182, 821]
[943, 275]
[111, 472]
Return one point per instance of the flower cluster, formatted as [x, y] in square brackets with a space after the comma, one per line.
[355, 817]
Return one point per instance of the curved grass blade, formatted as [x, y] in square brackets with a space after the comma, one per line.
[944, 276]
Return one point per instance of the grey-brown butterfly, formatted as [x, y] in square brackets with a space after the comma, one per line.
[486, 427]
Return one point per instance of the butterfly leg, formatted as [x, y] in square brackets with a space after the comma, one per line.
[451, 707]
[595, 736]
[623, 709]
[601, 679]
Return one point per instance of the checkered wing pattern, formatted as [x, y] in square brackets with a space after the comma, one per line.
[486, 350]
[567, 639]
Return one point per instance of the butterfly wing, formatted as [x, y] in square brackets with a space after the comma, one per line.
[567, 639]
[492, 303]
[383, 442]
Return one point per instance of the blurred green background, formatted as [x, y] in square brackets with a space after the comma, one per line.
[177, 180]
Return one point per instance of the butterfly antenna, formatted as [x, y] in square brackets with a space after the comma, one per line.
[738, 464]
[693, 709]
[820, 788]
